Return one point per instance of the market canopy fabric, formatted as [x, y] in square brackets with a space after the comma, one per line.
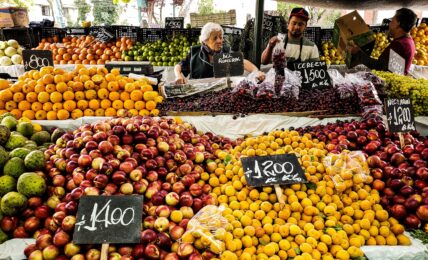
[362, 4]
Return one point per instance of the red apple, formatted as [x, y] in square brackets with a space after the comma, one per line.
[50, 252]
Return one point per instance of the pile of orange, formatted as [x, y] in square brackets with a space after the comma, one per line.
[420, 36]
[85, 50]
[55, 94]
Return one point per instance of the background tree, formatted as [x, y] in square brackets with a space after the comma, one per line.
[83, 9]
[105, 12]
[206, 7]
[17, 3]
[318, 16]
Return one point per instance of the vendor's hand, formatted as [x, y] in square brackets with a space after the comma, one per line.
[180, 80]
[261, 75]
[273, 41]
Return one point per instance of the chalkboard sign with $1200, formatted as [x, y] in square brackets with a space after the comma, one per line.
[108, 219]
[271, 170]
[399, 115]
[228, 64]
[36, 59]
[313, 74]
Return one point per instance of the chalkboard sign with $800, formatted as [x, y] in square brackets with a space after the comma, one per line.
[270, 170]
[36, 59]
[399, 115]
[108, 219]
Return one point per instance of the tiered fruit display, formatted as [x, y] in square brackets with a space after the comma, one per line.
[420, 36]
[318, 219]
[53, 93]
[160, 53]
[163, 160]
[400, 174]
[22, 182]
[10, 53]
[85, 50]
[406, 86]
[331, 55]
[381, 43]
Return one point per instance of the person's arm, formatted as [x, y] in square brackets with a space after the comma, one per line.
[267, 53]
[250, 67]
[181, 69]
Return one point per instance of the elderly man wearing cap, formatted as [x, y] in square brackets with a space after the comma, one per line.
[297, 47]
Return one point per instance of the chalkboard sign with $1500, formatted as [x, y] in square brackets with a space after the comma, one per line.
[399, 115]
[228, 64]
[174, 22]
[108, 219]
[270, 170]
[313, 74]
[36, 59]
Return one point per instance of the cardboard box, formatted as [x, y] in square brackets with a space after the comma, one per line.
[351, 27]
[13, 16]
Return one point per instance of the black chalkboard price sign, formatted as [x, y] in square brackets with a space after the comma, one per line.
[313, 74]
[108, 219]
[273, 170]
[396, 63]
[36, 59]
[103, 35]
[399, 115]
[228, 64]
[174, 22]
[268, 23]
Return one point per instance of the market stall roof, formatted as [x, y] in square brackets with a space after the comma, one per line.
[362, 4]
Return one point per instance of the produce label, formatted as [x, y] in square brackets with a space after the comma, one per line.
[313, 74]
[103, 36]
[399, 115]
[174, 22]
[267, 23]
[36, 59]
[108, 219]
[270, 170]
[396, 63]
[228, 64]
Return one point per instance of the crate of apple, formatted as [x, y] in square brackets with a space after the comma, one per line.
[165, 161]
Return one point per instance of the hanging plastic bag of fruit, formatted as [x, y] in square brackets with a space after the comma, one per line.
[347, 170]
[209, 226]
[343, 88]
[266, 90]
[291, 86]
[372, 112]
[247, 86]
[366, 92]
[279, 60]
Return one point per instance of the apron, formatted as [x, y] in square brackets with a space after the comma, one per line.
[290, 64]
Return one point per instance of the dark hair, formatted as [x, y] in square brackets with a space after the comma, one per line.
[406, 18]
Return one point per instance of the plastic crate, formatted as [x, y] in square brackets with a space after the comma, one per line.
[76, 31]
[326, 35]
[313, 34]
[130, 32]
[152, 34]
[23, 35]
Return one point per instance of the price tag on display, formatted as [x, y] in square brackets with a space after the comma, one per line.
[103, 35]
[313, 74]
[396, 63]
[399, 115]
[108, 219]
[267, 23]
[273, 170]
[36, 59]
[228, 64]
[174, 22]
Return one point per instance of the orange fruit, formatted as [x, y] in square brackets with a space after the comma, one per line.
[114, 96]
[28, 88]
[129, 87]
[58, 71]
[4, 84]
[47, 106]
[55, 97]
[128, 104]
[89, 84]
[10, 105]
[69, 105]
[29, 114]
[68, 95]
[83, 71]
[105, 104]
[17, 97]
[15, 88]
[16, 113]
[36, 106]
[110, 77]
[63, 114]
[24, 105]
[150, 105]
[133, 112]
[103, 93]
[92, 71]
[139, 105]
[51, 115]
[48, 79]
[36, 75]
[115, 72]
[97, 79]
[144, 112]
[94, 104]
[2, 103]
[77, 113]
[84, 78]
[59, 78]
[110, 112]
[57, 106]
[137, 95]
[124, 96]
[90, 94]
[99, 112]
[122, 83]
[117, 104]
[77, 86]
[154, 112]
[43, 97]
[113, 86]
[82, 104]
[51, 88]
[88, 112]
[40, 88]
[61, 87]
[79, 95]
[6, 95]
[40, 115]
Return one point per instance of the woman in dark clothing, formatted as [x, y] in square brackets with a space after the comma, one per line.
[199, 62]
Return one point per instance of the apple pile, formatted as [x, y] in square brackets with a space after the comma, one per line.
[166, 161]
[400, 174]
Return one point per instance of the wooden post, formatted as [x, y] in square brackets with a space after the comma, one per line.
[279, 195]
[104, 251]
[401, 137]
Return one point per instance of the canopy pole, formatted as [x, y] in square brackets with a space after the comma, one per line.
[258, 32]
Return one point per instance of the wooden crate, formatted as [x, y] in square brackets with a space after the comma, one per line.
[228, 18]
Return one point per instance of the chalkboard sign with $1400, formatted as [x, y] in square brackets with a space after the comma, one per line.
[108, 219]
[36, 59]
[270, 170]
[399, 115]
[313, 74]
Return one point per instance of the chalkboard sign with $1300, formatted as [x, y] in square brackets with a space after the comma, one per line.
[313, 74]
[399, 115]
[270, 170]
[108, 219]
[36, 59]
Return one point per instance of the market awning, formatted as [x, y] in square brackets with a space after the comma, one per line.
[362, 4]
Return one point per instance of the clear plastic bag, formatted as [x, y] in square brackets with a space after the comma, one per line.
[348, 170]
[291, 86]
[209, 226]
[279, 61]
[266, 90]
[247, 86]
[344, 88]
[374, 112]
[366, 91]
